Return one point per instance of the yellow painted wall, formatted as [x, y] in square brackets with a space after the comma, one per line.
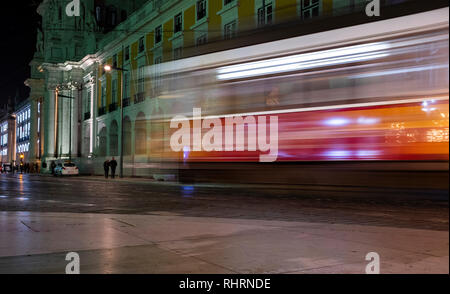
[215, 21]
[167, 45]
[189, 20]
[246, 14]
[285, 10]
[149, 43]
[133, 76]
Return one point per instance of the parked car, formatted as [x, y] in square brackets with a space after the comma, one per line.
[66, 169]
[7, 168]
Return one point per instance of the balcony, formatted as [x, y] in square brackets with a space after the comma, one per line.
[87, 115]
[126, 102]
[139, 97]
[102, 111]
[112, 107]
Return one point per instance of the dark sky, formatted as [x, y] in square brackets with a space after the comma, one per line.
[19, 21]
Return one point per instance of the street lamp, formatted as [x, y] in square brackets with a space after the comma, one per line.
[70, 120]
[109, 68]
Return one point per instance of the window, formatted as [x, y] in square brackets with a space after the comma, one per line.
[201, 9]
[230, 30]
[127, 53]
[114, 91]
[310, 9]
[201, 40]
[178, 53]
[141, 45]
[141, 79]
[178, 23]
[158, 34]
[265, 15]
[225, 2]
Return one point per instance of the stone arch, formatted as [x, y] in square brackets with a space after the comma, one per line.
[140, 133]
[114, 139]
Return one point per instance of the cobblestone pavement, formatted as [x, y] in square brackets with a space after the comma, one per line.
[336, 205]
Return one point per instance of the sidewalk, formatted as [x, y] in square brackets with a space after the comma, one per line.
[168, 243]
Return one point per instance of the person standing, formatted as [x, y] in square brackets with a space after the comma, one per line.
[113, 165]
[106, 168]
[52, 167]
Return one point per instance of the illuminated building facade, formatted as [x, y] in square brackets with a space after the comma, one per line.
[23, 131]
[81, 102]
[7, 139]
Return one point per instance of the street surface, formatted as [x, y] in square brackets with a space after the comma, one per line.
[142, 226]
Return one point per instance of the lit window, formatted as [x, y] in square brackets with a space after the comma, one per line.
[265, 15]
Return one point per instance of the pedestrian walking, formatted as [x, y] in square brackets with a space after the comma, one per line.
[106, 168]
[113, 165]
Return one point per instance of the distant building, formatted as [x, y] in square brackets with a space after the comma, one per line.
[7, 139]
[23, 131]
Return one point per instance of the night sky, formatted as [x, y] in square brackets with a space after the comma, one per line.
[19, 21]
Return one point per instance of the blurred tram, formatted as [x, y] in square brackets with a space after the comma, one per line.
[370, 97]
